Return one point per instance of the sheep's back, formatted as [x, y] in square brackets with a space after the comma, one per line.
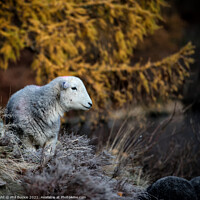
[18, 107]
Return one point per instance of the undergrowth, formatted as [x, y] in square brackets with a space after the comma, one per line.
[121, 169]
[75, 170]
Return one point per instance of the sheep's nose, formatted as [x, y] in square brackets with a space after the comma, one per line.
[90, 104]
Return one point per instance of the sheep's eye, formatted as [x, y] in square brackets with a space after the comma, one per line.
[74, 88]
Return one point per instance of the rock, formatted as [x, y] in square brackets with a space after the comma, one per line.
[196, 184]
[172, 188]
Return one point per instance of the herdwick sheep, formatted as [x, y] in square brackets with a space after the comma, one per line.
[34, 112]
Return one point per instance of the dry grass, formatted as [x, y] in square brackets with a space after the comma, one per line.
[12, 161]
[125, 146]
[75, 169]
[115, 170]
[167, 146]
[131, 146]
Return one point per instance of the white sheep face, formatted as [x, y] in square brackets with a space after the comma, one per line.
[73, 95]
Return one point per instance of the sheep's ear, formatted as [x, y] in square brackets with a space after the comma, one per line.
[65, 85]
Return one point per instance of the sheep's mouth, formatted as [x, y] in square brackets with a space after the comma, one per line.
[87, 107]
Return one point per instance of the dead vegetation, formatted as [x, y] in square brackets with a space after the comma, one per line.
[74, 170]
[165, 144]
[133, 157]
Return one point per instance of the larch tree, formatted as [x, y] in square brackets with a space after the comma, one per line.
[94, 40]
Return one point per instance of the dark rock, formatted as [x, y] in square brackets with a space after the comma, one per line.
[171, 188]
[196, 184]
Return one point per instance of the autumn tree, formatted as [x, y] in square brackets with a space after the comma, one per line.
[94, 40]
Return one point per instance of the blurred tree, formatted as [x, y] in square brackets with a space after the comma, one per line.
[94, 40]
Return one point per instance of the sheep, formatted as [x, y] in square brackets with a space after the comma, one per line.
[34, 112]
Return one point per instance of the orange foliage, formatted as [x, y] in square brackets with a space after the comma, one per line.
[94, 40]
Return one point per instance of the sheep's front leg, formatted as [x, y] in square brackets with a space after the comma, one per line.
[28, 145]
[50, 145]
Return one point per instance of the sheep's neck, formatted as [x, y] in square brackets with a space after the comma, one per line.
[50, 103]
